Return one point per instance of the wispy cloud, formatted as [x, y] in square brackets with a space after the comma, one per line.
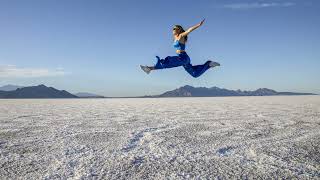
[256, 5]
[9, 71]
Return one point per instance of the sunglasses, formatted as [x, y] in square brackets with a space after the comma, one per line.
[175, 28]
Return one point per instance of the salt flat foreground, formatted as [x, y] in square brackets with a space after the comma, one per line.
[175, 138]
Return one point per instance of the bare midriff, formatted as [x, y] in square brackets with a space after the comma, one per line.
[180, 51]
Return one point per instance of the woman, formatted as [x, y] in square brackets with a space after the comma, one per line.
[182, 58]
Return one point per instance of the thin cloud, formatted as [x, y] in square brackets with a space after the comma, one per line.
[256, 5]
[10, 71]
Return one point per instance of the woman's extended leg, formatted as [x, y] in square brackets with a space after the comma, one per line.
[197, 70]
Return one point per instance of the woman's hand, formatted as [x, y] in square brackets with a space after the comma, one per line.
[191, 29]
[201, 22]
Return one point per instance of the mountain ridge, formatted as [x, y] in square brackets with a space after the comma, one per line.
[10, 87]
[40, 91]
[88, 95]
[190, 91]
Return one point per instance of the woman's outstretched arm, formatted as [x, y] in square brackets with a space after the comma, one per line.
[191, 29]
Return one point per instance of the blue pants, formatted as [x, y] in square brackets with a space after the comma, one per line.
[182, 60]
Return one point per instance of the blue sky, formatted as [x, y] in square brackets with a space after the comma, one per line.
[97, 46]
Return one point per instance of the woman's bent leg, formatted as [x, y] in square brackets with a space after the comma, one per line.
[198, 70]
[171, 61]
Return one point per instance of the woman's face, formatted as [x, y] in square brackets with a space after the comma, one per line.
[175, 31]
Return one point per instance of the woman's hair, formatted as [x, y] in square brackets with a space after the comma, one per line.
[181, 31]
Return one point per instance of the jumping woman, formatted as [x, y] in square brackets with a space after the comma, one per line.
[182, 58]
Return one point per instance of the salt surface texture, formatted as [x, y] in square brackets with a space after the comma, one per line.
[175, 138]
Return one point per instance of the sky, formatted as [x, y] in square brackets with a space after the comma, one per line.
[97, 46]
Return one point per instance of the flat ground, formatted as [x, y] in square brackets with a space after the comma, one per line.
[174, 138]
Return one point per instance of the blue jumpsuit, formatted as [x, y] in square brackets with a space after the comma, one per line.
[182, 59]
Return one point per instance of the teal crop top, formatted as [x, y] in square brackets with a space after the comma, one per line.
[178, 45]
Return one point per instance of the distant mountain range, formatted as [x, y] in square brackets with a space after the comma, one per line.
[88, 95]
[190, 91]
[42, 91]
[9, 87]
